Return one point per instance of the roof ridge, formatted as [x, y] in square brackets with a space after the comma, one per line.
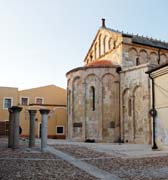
[141, 36]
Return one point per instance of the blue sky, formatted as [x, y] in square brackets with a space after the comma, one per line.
[40, 40]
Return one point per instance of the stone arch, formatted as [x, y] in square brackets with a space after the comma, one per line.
[143, 56]
[132, 54]
[77, 105]
[95, 51]
[76, 88]
[110, 74]
[153, 58]
[92, 116]
[109, 95]
[127, 122]
[138, 123]
[163, 59]
[100, 45]
[91, 76]
[105, 47]
[110, 43]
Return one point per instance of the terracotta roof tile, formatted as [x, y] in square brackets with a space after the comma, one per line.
[100, 63]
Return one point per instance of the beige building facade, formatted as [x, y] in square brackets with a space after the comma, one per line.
[47, 97]
[109, 97]
[159, 76]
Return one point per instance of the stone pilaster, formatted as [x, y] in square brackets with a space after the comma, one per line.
[32, 114]
[44, 119]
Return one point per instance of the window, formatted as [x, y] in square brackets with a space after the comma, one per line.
[39, 100]
[24, 101]
[59, 129]
[93, 98]
[7, 102]
[129, 107]
[137, 61]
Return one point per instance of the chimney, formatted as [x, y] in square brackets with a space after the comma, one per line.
[103, 23]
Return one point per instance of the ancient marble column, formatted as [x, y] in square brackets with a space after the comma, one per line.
[44, 128]
[14, 127]
[32, 114]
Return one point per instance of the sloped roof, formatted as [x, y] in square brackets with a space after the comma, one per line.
[149, 42]
[143, 40]
[157, 68]
[101, 63]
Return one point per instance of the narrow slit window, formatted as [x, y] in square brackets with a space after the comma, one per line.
[129, 107]
[93, 98]
[137, 61]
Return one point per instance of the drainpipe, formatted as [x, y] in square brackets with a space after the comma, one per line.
[153, 114]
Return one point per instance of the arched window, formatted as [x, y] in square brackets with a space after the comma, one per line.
[93, 98]
[137, 61]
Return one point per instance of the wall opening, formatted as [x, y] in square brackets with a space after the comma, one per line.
[93, 98]
[137, 61]
[129, 107]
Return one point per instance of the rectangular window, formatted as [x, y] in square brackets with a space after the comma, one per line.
[24, 101]
[59, 129]
[39, 100]
[7, 102]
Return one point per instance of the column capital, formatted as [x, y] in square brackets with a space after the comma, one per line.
[15, 109]
[44, 111]
[32, 111]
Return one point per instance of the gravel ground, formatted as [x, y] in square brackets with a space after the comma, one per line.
[25, 163]
[80, 152]
[149, 168]
[131, 169]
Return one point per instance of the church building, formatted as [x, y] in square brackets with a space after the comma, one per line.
[109, 97]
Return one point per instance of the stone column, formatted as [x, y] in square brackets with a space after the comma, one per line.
[32, 114]
[10, 131]
[44, 128]
[14, 127]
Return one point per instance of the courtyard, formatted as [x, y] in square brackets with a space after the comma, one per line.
[66, 160]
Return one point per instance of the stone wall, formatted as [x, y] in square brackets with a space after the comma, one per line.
[134, 105]
[93, 104]
[106, 45]
[134, 55]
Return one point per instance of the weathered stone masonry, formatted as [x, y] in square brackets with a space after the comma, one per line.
[92, 115]
[109, 98]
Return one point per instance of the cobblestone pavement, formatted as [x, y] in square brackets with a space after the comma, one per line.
[27, 164]
[128, 162]
[136, 167]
